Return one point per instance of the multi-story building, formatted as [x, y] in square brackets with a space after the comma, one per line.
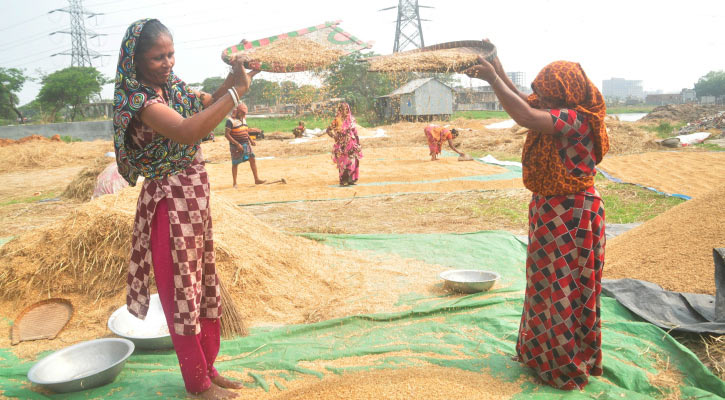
[619, 88]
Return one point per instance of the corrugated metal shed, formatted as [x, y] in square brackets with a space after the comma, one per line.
[420, 97]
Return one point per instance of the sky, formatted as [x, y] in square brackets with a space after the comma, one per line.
[666, 44]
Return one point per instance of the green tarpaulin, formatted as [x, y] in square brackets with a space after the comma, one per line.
[475, 333]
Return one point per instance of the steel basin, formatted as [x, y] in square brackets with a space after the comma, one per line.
[469, 280]
[149, 333]
[82, 366]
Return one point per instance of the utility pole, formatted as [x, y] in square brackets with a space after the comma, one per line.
[80, 55]
[408, 28]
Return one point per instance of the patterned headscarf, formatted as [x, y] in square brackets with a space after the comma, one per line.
[161, 157]
[348, 121]
[563, 84]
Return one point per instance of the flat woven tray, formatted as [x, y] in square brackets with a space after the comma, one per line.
[41, 320]
[442, 57]
[330, 40]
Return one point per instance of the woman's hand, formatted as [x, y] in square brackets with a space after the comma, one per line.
[241, 78]
[483, 70]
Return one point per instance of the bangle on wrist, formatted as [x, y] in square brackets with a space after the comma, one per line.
[234, 97]
[236, 94]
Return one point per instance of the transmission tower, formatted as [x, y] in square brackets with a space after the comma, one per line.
[408, 29]
[80, 55]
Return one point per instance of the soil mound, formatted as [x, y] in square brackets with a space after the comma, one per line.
[682, 112]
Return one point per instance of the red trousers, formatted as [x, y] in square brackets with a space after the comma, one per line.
[196, 353]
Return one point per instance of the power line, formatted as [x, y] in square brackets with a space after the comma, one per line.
[80, 55]
[408, 27]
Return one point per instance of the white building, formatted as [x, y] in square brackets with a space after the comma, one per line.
[619, 88]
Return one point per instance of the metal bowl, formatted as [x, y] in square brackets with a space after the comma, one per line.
[149, 333]
[468, 280]
[82, 366]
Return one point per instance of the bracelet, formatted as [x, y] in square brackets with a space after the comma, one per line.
[236, 93]
[233, 93]
[496, 80]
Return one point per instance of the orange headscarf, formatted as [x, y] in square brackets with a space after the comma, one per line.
[562, 84]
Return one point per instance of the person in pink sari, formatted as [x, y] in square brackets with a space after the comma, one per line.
[346, 152]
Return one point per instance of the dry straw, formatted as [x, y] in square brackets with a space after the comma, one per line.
[445, 60]
[81, 187]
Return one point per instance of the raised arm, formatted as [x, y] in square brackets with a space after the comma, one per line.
[513, 102]
[171, 124]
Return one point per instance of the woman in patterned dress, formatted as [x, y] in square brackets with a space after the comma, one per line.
[158, 125]
[346, 152]
[560, 331]
[436, 135]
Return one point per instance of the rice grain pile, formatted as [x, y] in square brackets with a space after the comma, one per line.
[674, 249]
[298, 53]
[445, 60]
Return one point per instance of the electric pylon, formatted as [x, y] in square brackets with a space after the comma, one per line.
[408, 28]
[80, 54]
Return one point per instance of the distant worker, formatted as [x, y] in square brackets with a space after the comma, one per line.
[240, 143]
[436, 136]
[299, 129]
[346, 152]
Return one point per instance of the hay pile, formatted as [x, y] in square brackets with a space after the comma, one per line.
[273, 278]
[293, 54]
[81, 187]
[674, 249]
[51, 154]
[444, 60]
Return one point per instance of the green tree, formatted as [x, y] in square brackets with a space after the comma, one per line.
[262, 92]
[70, 87]
[287, 91]
[305, 94]
[349, 79]
[712, 84]
[11, 81]
[210, 85]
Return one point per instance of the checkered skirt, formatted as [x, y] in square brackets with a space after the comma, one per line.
[197, 293]
[560, 332]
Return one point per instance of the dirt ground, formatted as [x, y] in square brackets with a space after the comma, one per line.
[400, 190]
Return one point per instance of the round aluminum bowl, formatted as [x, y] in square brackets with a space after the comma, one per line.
[468, 280]
[149, 333]
[82, 366]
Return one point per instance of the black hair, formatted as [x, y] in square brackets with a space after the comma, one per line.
[454, 132]
[150, 33]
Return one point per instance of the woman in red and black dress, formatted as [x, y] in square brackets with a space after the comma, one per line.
[560, 332]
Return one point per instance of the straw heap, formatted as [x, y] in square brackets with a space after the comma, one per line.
[445, 60]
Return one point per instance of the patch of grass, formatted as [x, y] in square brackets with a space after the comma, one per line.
[69, 139]
[269, 125]
[31, 199]
[629, 109]
[484, 114]
[665, 129]
[626, 204]
[514, 211]
[709, 146]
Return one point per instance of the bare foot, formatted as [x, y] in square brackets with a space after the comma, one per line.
[234, 186]
[227, 383]
[215, 393]
[259, 181]
[516, 358]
